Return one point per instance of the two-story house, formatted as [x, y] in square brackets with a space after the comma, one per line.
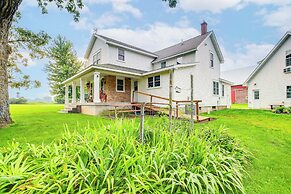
[270, 83]
[114, 71]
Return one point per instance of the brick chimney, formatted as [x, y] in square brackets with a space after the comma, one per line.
[203, 28]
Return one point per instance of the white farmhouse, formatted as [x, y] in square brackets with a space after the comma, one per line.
[270, 83]
[116, 72]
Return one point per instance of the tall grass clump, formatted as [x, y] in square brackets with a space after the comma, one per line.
[110, 159]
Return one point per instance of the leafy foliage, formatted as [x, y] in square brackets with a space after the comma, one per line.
[110, 159]
[172, 3]
[63, 64]
[24, 41]
[282, 110]
[20, 100]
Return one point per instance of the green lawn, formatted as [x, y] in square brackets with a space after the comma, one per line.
[266, 135]
[239, 106]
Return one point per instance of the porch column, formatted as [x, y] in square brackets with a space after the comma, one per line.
[82, 94]
[73, 93]
[96, 91]
[66, 94]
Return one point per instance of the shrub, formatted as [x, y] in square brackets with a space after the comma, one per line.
[111, 159]
[20, 100]
[282, 109]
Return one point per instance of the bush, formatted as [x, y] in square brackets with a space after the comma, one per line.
[20, 100]
[282, 109]
[111, 159]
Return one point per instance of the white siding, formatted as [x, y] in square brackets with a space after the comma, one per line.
[187, 58]
[132, 59]
[271, 81]
[99, 45]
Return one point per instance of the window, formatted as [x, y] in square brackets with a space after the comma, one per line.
[288, 91]
[222, 90]
[215, 88]
[154, 81]
[179, 60]
[211, 60]
[163, 64]
[121, 54]
[97, 57]
[256, 94]
[120, 84]
[288, 58]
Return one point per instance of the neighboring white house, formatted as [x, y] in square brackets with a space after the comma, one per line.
[114, 70]
[270, 83]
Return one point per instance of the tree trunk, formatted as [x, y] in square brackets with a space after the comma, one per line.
[7, 11]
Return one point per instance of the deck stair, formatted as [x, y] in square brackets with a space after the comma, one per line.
[72, 109]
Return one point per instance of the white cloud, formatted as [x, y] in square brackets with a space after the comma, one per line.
[208, 5]
[249, 55]
[279, 18]
[152, 37]
[119, 6]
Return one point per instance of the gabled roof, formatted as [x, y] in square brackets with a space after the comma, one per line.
[271, 53]
[184, 47]
[111, 41]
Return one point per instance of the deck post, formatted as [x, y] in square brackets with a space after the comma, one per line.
[141, 130]
[170, 99]
[73, 93]
[66, 94]
[197, 111]
[192, 102]
[82, 96]
[96, 95]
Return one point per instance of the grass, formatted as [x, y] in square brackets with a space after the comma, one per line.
[239, 106]
[110, 159]
[266, 135]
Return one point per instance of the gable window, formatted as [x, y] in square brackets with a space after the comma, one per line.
[256, 94]
[179, 60]
[154, 81]
[163, 64]
[211, 60]
[288, 58]
[288, 91]
[120, 84]
[215, 88]
[121, 56]
[97, 57]
[222, 90]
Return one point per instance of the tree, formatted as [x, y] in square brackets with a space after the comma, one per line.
[63, 64]
[8, 10]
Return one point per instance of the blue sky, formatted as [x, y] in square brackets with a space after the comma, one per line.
[246, 29]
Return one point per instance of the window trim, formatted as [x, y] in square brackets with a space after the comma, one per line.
[163, 63]
[118, 48]
[120, 78]
[254, 94]
[288, 58]
[211, 61]
[215, 90]
[288, 92]
[96, 54]
[154, 82]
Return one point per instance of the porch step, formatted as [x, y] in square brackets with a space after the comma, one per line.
[71, 109]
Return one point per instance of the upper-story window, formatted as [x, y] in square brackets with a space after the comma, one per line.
[163, 64]
[288, 58]
[154, 81]
[211, 60]
[215, 88]
[121, 56]
[97, 57]
[288, 91]
[179, 60]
